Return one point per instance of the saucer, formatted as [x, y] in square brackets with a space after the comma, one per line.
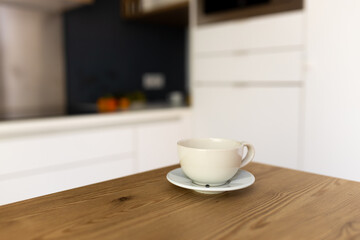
[242, 179]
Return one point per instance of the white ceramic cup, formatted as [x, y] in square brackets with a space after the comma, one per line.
[212, 161]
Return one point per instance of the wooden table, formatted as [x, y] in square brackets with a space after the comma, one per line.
[282, 204]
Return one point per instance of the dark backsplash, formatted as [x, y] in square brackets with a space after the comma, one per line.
[107, 54]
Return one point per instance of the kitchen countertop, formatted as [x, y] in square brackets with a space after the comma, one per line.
[282, 204]
[76, 122]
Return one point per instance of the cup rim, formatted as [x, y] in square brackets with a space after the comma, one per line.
[182, 141]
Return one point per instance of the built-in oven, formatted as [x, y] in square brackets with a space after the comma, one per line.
[220, 10]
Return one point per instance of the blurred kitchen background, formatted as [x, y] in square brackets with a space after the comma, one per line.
[92, 90]
[61, 57]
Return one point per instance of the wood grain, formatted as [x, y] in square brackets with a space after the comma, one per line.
[175, 14]
[282, 204]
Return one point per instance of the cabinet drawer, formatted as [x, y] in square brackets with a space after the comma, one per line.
[265, 117]
[279, 66]
[39, 151]
[276, 30]
[164, 152]
[29, 186]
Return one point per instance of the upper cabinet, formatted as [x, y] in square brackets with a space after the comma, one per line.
[166, 12]
[215, 11]
[48, 5]
[276, 30]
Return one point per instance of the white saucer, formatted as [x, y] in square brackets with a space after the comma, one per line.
[241, 180]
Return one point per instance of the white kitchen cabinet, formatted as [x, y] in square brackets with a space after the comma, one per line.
[247, 76]
[264, 66]
[274, 30]
[27, 153]
[266, 117]
[332, 112]
[156, 142]
[17, 187]
[157, 145]
[39, 157]
[39, 164]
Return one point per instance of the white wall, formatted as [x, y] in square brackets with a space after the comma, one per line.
[332, 101]
[31, 47]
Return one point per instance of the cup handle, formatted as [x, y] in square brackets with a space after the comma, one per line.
[250, 154]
